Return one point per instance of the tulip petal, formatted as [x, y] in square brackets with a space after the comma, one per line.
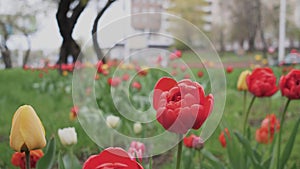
[31, 129]
[164, 84]
[16, 139]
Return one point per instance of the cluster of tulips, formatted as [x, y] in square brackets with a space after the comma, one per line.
[180, 106]
[263, 83]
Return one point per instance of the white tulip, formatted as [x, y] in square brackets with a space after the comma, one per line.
[137, 128]
[112, 121]
[67, 136]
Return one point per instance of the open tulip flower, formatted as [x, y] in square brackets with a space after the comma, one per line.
[262, 82]
[111, 158]
[27, 131]
[290, 85]
[181, 105]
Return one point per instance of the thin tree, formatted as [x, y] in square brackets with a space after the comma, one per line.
[97, 48]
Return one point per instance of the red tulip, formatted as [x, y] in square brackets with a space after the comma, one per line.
[290, 84]
[193, 142]
[181, 106]
[229, 69]
[18, 159]
[271, 123]
[111, 158]
[114, 82]
[262, 82]
[262, 135]
[222, 137]
[178, 53]
[136, 85]
[200, 74]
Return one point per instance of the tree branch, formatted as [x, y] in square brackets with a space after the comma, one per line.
[95, 27]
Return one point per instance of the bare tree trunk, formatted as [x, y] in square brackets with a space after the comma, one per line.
[6, 57]
[222, 45]
[27, 53]
[5, 52]
[66, 25]
[97, 48]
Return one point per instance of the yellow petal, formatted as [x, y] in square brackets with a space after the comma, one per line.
[32, 129]
[16, 139]
[242, 84]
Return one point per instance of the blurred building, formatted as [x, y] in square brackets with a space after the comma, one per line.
[144, 28]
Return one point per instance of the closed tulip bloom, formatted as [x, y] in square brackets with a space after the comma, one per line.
[242, 84]
[67, 136]
[222, 137]
[290, 84]
[137, 128]
[263, 135]
[27, 131]
[112, 121]
[262, 82]
[271, 123]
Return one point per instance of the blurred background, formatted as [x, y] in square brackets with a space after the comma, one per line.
[30, 32]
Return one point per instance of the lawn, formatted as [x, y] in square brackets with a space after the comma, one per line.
[50, 95]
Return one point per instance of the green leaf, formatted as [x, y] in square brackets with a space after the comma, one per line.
[215, 162]
[71, 161]
[234, 153]
[289, 146]
[60, 161]
[47, 161]
[266, 163]
[249, 151]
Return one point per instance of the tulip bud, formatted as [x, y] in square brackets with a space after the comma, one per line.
[112, 121]
[137, 128]
[27, 131]
[67, 136]
[242, 84]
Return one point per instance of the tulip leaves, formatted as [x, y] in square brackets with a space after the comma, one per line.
[289, 146]
[47, 161]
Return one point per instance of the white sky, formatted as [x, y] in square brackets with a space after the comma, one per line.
[48, 38]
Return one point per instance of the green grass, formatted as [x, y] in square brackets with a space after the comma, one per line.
[53, 106]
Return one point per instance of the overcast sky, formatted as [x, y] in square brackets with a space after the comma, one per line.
[48, 38]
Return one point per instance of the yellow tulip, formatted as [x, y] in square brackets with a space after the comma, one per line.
[27, 131]
[242, 85]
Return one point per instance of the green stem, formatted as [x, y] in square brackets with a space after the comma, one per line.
[200, 159]
[280, 131]
[179, 152]
[244, 102]
[247, 114]
[71, 156]
[27, 156]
